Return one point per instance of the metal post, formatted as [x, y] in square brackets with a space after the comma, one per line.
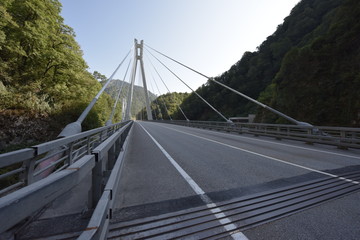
[71, 159]
[29, 171]
[111, 158]
[97, 182]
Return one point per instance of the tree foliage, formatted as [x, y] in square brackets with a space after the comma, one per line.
[42, 71]
[138, 101]
[308, 69]
[322, 76]
[165, 106]
[98, 76]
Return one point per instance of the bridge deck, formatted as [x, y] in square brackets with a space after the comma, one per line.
[231, 168]
[187, 182]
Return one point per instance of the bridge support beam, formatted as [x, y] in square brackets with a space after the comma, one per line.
[138, 56]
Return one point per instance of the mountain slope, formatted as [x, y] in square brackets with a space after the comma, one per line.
[138, 96]
[268, 73]
[166, 106]
[44, 82]
[322, 77]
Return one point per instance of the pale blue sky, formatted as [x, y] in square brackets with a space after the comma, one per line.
[208, 35]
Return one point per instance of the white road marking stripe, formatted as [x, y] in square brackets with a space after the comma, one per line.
[226, 222]
[281, 144]
[268, 157]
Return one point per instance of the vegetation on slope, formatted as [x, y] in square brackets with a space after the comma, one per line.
[322, 77]
[42, 73]
[138, 101]
[166, 106]
[307, 69]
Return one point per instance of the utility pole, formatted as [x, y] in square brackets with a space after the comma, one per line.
[138, 56]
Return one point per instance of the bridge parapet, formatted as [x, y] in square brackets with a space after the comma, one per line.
[342, 137]
[98, 225]
[90, 156]
[20, 165]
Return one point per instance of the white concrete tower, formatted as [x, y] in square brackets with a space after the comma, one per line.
[138, 56]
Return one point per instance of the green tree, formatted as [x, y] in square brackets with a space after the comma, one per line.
[42, 71]
[319, 82]
[100, 77]
[288, 64]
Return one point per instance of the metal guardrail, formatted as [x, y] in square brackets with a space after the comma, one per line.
[21, 168]
[341, 137]
[99, 153]
[98, 226]
[20, 204]
[94, 160]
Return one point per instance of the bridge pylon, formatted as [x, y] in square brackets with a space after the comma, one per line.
[138, 57]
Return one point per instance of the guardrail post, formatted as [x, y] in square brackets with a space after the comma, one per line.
[309, 133]
[256, 131]
[117, 145]
[29, 171]
[103, 135]
[278, 133]
[111, 131]
[111, 157]
[239, 128]
[88, 146]
[342, 135]
[97, 181]
[342, 139]
[105, 160]
[71, 148]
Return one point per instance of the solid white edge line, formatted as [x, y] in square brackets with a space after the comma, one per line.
[275, 143]
[225, 222]
[268, 157]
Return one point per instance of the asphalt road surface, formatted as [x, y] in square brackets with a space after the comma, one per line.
[170, 168]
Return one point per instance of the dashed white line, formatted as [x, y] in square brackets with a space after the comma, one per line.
[226, 222]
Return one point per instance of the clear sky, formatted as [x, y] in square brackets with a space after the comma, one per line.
[208, 35]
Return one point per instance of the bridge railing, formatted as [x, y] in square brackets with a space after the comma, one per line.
[23, 167]
[341, 137]
[98, 225]
[93, 167]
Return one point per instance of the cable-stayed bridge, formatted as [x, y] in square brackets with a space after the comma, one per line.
[183, 179]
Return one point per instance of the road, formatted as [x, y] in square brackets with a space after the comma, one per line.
[170, 168]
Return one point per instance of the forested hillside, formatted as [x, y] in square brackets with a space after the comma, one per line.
[166, 106]
[138, 95]
[42, 74]
[308, 69]
[322, 77]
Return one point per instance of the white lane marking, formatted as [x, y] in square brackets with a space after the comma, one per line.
[226, 222]
[276, 143]
[268, 157]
